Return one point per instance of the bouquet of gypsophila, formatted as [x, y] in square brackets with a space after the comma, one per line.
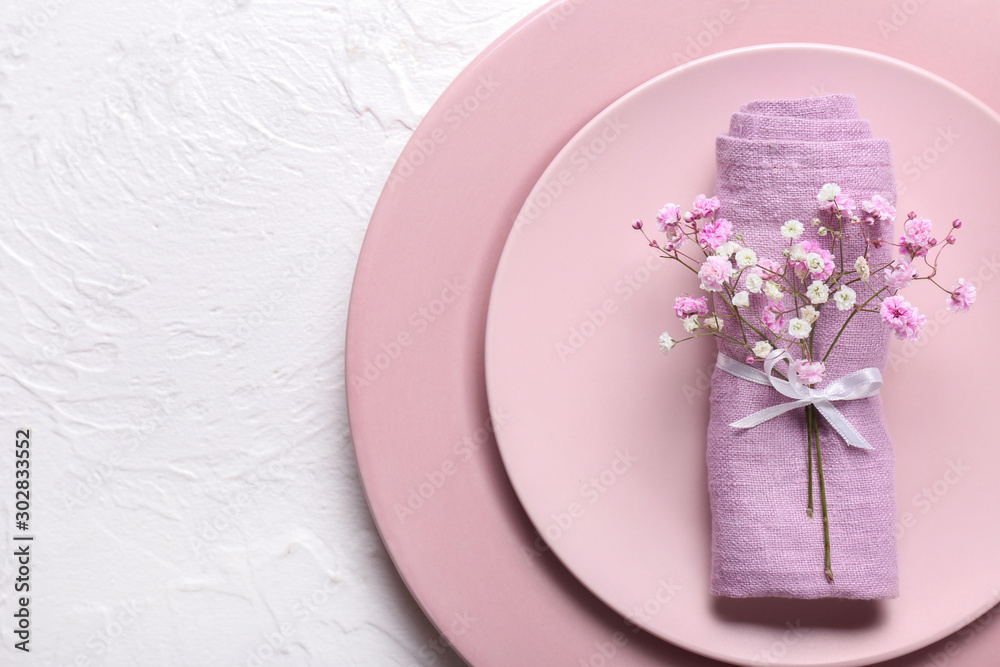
[768, 307]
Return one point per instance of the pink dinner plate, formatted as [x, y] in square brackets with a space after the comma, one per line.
[414, 363]
[604, 439]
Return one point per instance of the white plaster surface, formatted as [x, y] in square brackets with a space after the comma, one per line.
[184, 188]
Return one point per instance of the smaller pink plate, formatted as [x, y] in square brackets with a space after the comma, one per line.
[604, 439]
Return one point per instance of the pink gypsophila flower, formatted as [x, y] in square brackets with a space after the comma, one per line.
[841, 203]
[878, 210]
[801, 269]
[916, 236]
[898, 277]
[767, 268]
[714, 272]
[903, 318]
[809, 372]
[670, 214]
[686, 306]
[715, 233]
[705, 207]
[961, 297]
[773, 318]
[675, 237]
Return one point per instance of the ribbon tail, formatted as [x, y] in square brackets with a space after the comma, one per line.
[840, 424]
[767, 414]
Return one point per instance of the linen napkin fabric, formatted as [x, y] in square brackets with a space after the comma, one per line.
[771, 165]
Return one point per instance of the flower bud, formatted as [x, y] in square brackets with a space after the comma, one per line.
[637, 224]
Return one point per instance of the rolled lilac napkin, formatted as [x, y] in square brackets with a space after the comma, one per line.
[771, 165]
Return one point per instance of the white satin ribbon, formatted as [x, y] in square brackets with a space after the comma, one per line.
[859, 384]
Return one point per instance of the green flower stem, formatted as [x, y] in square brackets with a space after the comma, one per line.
[736, 313]
[828, 569]
[840, 218]
[809, 430]
[848, 321]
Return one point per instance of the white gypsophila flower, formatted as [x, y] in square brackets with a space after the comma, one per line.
[745, 258]
[814, 262]
[792, 229]
[772, 291]
[690, 323]
[818, 292]
[798, 328]
[666, 342]
[797, 253]
[861, 266]
[727, 249]
[755, 283]
[809, 314]
[714, 323]
[828, 192]
[762, 348]
[741, 299]
[845, 298]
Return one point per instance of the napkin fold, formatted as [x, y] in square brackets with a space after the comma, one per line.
[771, 165]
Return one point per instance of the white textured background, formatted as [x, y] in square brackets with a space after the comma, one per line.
[184, 188]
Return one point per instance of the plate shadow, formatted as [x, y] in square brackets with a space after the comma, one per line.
[822, 613]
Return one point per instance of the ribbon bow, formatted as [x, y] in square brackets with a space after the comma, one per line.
[859, 384]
